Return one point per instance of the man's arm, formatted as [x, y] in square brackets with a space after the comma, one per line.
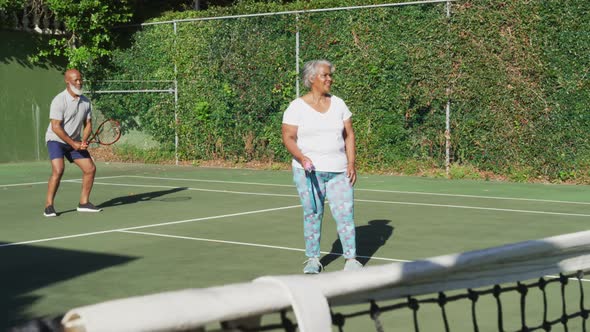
[87, 131]
[61, 133]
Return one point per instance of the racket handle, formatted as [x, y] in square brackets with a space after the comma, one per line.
[311, 190]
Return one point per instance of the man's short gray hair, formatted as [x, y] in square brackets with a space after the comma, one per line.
[310, 70]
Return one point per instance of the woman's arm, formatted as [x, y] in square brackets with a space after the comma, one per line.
[290, 142]
[349, 144]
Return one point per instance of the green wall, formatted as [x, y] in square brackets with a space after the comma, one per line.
[26, 92]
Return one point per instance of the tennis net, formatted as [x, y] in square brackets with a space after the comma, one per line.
[535, 285]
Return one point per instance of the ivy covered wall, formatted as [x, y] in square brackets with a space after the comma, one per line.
[516, 75]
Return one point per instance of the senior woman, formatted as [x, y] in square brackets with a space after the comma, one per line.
[317, 131]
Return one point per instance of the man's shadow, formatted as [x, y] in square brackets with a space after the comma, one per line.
[135, 198]
[369, 238]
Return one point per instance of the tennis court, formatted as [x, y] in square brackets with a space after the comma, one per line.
[174, 227]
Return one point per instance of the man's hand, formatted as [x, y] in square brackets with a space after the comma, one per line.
[80, 145]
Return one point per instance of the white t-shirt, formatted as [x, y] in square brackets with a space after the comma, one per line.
[320, 135]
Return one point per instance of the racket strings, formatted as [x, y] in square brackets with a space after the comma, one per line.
[108, 132]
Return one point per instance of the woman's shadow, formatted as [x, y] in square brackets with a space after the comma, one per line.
[369, 238]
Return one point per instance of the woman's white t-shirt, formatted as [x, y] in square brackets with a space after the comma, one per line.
[320, 135]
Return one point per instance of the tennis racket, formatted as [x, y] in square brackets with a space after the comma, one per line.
[107, 133]
[309, 173]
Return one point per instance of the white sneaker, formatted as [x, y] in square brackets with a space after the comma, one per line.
[352, 264]
[313, 266]
[88, 207]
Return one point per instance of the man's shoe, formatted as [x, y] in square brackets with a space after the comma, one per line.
[88, 207]
[50, 211]
[352, 264]
[312, 266]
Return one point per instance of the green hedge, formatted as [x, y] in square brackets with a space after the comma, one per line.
[517, 75]
[521, 86]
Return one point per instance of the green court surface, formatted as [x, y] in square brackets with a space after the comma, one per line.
[167, 228]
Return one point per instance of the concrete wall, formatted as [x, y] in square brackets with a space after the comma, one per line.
[26, 92]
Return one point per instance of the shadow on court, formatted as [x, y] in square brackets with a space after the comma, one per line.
[144, 197]
[27, 269]
[369, 238]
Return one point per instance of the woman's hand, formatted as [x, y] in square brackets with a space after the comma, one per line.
[307, 163]
[351, 173]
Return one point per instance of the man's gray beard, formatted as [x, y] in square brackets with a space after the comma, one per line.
[75, 90]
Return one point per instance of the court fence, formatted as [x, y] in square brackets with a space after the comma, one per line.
[438, 81]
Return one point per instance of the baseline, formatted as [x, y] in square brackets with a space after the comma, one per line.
[148, 226]
[369, 190]
[251, 244]
[62, 181]
[357, 200]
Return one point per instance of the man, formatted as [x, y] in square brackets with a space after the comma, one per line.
[67, 135]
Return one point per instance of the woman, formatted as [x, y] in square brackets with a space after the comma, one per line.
[317, 131]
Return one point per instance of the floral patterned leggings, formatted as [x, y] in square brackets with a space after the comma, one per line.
[337, 189]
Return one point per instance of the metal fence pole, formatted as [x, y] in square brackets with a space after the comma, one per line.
[297, 53]
[175, 101]
[448, 110]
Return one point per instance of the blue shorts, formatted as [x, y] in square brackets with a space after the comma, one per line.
[61, 150]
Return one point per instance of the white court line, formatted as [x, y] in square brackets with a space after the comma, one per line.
[369, 190]
[148, 226]
[68, 180]
[285, 185]
[251, 244]
[477, 208]
[194, 189]
[357, 200]
[476, 196]
[211, 181]
[279, 247]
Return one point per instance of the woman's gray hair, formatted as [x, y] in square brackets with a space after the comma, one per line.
[310, 70]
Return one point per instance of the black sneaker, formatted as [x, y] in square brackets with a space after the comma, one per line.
[49, 211]
[88, 207]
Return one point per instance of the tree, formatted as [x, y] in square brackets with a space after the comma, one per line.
[9, 4]
[85, 35]
[88, 26]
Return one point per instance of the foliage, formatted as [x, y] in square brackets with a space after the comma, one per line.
[7, 5]
[521, 86]
[516, 75]
[88, 23]
[88, 38]
[129, 153]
